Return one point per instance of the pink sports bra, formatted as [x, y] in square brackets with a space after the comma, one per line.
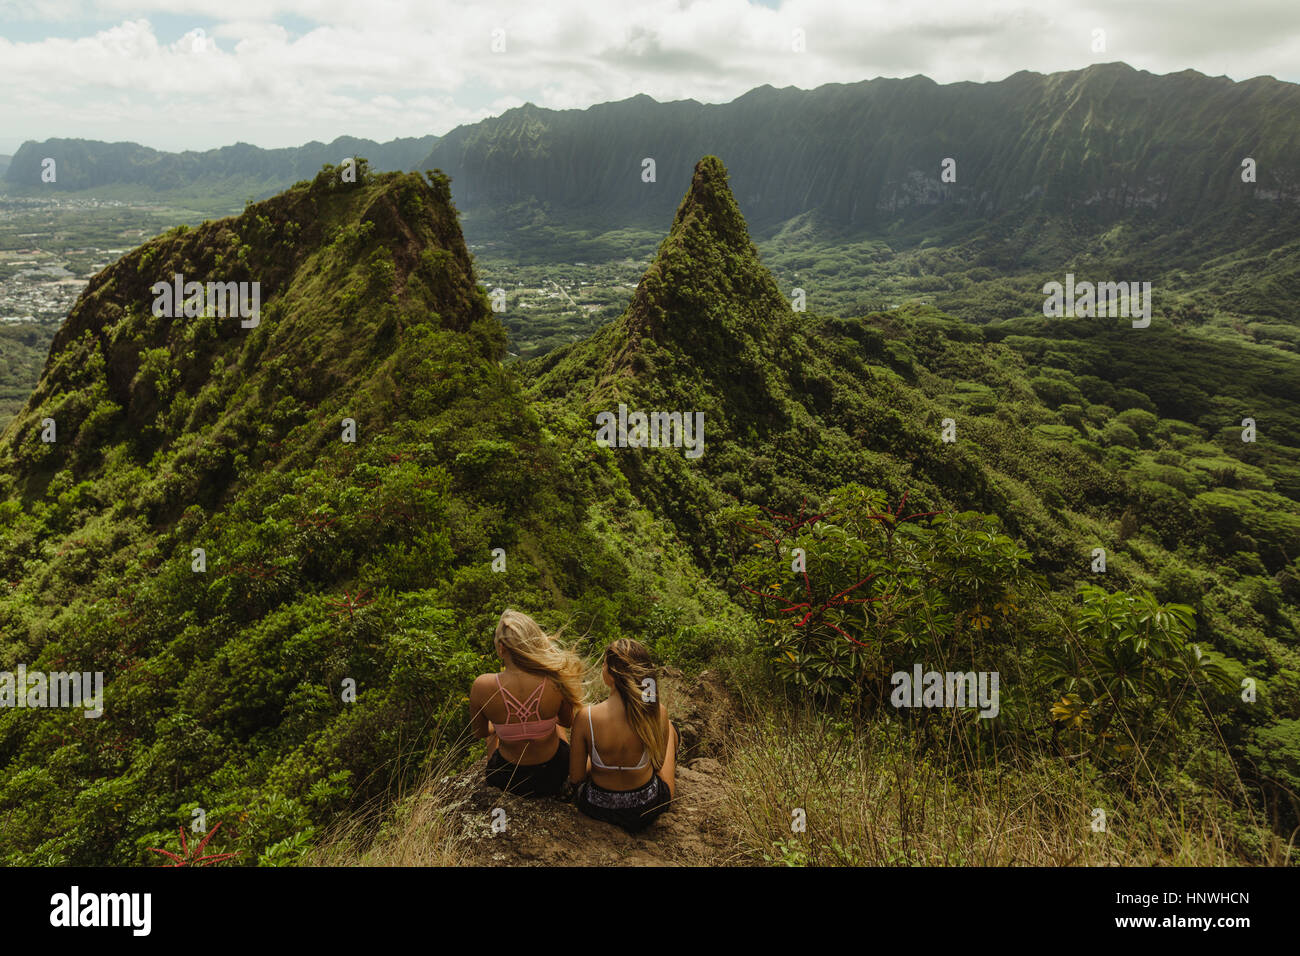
[525, 716]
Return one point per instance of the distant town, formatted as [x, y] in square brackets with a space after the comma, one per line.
[51, 248]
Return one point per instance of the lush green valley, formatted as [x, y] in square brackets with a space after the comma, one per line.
[329, 565]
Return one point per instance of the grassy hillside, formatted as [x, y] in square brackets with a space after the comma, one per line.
[332, 564]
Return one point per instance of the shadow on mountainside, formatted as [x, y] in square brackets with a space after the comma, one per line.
[547, 832]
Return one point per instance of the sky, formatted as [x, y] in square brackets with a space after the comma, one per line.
[198, 74]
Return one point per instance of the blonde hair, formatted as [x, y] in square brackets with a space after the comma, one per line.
[629, 665]
[533, 650]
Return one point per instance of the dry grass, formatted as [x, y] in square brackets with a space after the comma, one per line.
[872, 799]
[423, 829]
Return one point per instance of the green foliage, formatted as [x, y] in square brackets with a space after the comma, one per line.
[371, 562]
[884, 588]
[1128, 678]
[326, 562]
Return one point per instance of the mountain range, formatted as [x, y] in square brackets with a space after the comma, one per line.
[1102, 143]
[239, 170]
[1081, 149]
[287, 544]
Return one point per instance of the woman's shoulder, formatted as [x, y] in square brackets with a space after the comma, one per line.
[579, 721]
[483, 682]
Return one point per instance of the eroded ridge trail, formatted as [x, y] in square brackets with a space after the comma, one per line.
[549, 832]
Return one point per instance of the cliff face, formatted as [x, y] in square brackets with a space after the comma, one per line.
[1101, 143]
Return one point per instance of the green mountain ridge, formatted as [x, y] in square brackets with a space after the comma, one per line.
[705, 312]
[707, 330]
[1105, 172]
[1100, 144]
[374, 562]
[326, 562]
[1042, 414]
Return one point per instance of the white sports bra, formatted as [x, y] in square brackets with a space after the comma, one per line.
[595, 755]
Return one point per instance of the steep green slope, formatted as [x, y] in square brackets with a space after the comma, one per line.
[1067, 450]
[328, 564]
[792, 403]
[704, 320]
[371, 562]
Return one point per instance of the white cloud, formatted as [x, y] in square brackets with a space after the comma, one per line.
[279, 72]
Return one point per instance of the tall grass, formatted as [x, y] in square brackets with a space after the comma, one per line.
[423, 828]
[874, 796]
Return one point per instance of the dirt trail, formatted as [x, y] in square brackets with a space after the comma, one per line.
[547, 832]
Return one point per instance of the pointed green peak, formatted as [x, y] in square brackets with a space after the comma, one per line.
[706, 274]
[709, 204]
[702, 330]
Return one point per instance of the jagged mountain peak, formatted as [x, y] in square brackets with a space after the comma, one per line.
[707, 273]
[702, 328]
[206, 335]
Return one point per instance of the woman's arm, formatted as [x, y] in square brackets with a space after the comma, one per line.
[668, 771]
[478, 699]
[567, 712]
[578, 750]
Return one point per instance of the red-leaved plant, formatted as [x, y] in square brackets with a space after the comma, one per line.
[195, 857]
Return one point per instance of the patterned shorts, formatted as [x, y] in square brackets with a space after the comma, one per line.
[632, 810]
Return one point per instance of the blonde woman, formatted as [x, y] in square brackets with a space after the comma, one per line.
[522, 708]
[624, 751]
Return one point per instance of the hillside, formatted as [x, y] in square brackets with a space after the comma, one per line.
[1065, 433]
[827, 537]
[793, 400]
[326, 562]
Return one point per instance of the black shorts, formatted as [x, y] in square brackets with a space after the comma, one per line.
[535, 780]
[633, 810]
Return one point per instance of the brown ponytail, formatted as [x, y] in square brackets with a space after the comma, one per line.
[629, 665]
